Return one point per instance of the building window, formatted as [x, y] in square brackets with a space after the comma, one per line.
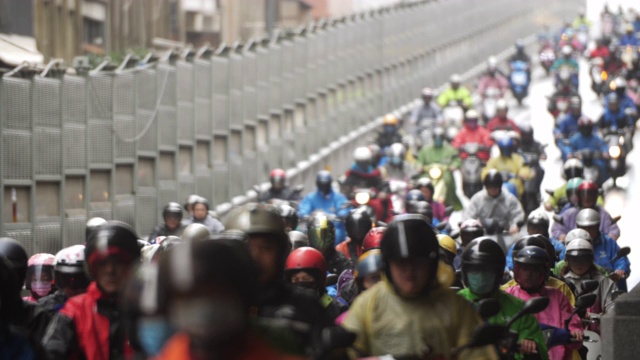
[93, 32]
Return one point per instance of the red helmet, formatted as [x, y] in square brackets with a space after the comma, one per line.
[307, 259]
[588, 186]
[373, 238]
[277, 177]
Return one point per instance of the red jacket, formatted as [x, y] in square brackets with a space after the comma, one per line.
[480, 135]
[498, 124]
[82, 331]
[343, 247]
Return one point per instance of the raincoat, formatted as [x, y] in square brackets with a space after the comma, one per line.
[478, 135]
[604, 302]
[607, 226]
[446, 155]
[504, 207]
[332, 203]
[462, 94]
[551, 282]
[557, 246]
[514, 165]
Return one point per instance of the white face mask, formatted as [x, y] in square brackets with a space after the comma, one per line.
[41, 288]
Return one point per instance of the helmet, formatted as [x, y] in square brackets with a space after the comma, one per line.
[201, 200]
[532, 240]
[532, 255]
[538, 219]
[566, 50]
[38, 264]
[438, 133]
[307, 259]
[575, 102]
[493, 179]
[526, 131]
[505, 144]
[501, 104]
[357, 224]
[580, 247]
[492, 62]
[289, 216]
[10, 294]
[572, 168]
[425, 182]
[92, 224]
[17, 256]
[455, 79]
[585, 122]
[376, 152]
[373, 238]
[173, 208]
[587, 217]
[573, 184]
[410, 235]
[519, 45]
[427, 91]
[258, 219]
[471, 114]
[447, 243]
[323, 181]
[298, 239]
[321, 232]
[620, 83]
[577, 234]
[612, 98]
[362, 153]
[114, 238]
[470, 229]
[191, 200]
[482, 255]
[69, 268]
[588, 189]
[420, 207]
[369, 263]
[390, 119]
[396, 153]
[414, 195]
[277, 178]
[196, 232]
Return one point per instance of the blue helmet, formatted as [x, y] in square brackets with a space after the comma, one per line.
[505, 144]
[323, 181]
[415, 195]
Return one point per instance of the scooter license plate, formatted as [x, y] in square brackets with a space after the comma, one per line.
[519, 78]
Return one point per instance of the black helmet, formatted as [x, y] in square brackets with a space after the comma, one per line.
[289, 215]
[470, 229]
[323, 181]
[358, 223]
[407, 236]
[483, 254]
[321, 232]
[298, 239]
[539, 220]
[114, 238]
[538, 241]
[414, 195]
[534, 256]
[493, 179]
[10, 302]
[572, 168]
[17, 256]
[420, 207]
[174, 209]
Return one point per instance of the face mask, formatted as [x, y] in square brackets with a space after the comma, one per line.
[208, 319]
[438, 142]
[396, 160]
[40, 288]
[471, 124]
[389, 129]
[153, 333]
[481, 282]
[311, 285]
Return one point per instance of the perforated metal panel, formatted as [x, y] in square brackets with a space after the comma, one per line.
[202, 79]
[124, 100]
[146, 219]
[204, 184]
[235, 71]
[220, 183]
[185, 121]
[168, 127]
[15, 103]
[125, 129]
[48, 237]
[75, 230]
[24, 237]
[167, 192]
[48, 151]
[46, 102]
[167, 74]
[16, 155]
[235, 114]
[186, 187]
[74, 100]
[146, 95]
[125, 209]
[147, 127]
[185, 81]
[203, 120]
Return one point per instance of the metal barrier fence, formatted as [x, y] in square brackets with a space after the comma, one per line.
[121, 144]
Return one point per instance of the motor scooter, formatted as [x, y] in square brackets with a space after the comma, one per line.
[471, 168]
[489, 102]
[519, 80]
[547, 57]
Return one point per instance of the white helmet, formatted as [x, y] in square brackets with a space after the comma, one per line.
[579, 247]
[577, 234]
[501, 104]
[196, 232]
[567, 50]
[362, 153]
[455, 78]
[427, 91]
[492, 62]
[471, 114]
[588, 217]
[70, 259]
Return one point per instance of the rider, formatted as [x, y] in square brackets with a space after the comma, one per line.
[39, 281]
[492, 79]
[397, 167]
[587, 199]
[429, 111]
[363, 174]
[69, 277]
[625, 101]
[614, 116]
[530, 272]
[581, 21]
[90, 325]
[425, 185]
[201, 216]
[448, 249]
[441, 152]
[601, 50]
[538, 223]
[493, 203]
[482, 269]
[306, 268]
[511, 163]
[605, 248]
[327, 200]
[455, 92]
[321, 232]
[277, 304]
[567, 61]
[533, 151]
[564, 90]
[358, 223]
[172, 215]
[399, 315]
[587, 139]
[501, 121]
[390, 132]
[571, 169]
[368, 272]
[279, 189]
[629, 38]
[472, 132]
[520, 54]
[568, 125]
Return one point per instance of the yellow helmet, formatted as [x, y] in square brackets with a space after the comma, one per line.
[390, 119]
[447, 243]
[368, 263]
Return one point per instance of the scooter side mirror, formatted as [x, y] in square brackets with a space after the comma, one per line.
[615, 219]
[486, 334]
[448, 211]
[532, 306]
[441, 226]
[623, 251]
[455, 234]
[589, 286]
[488, 308]
[558, 219]
[549, 191]
[583, 302]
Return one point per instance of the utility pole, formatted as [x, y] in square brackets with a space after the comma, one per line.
[271, 14]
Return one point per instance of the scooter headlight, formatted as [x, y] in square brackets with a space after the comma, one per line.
[435, 173]
[604, 76]
[362, 198]
[614, 152]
